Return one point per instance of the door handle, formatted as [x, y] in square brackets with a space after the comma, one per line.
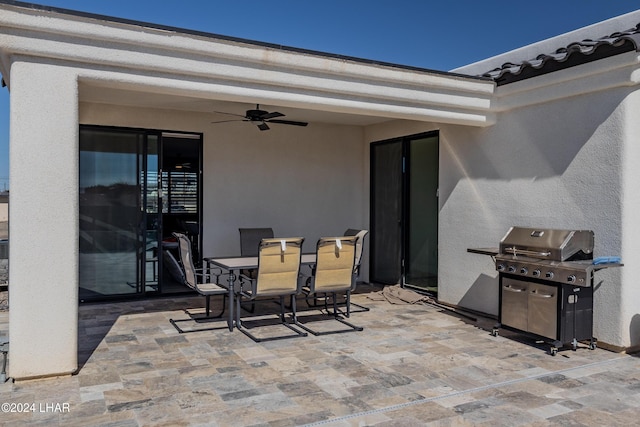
[541, 294]
[513, 289]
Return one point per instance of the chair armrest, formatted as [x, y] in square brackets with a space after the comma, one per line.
[202, 275]
[216, 271]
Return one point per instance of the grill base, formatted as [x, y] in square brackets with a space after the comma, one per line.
[558, 313]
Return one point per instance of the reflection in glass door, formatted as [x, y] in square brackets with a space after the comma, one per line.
[109, 213]
[404, 212]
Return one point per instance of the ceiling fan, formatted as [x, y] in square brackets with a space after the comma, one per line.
[260, 118]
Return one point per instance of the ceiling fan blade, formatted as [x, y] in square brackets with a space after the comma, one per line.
[228, 121]
[228, 114]
[289, 122]
[263, 126]
[271, 115]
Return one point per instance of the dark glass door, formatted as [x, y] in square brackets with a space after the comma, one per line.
[404, 211]
[386, 212]
[110, 214]
[137, 187]
[421, 230]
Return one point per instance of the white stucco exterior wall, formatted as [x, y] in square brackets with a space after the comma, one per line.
[43, 321]
[556, 164]
[630, 293]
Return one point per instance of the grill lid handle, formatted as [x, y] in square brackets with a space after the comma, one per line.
[515, 251]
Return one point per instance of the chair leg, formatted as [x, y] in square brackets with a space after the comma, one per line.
[281, 316]
[208, 308]
[362, 308]
[339, 318]
[198, 319]
[336, 315]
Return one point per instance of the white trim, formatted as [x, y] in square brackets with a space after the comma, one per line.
[241, 71]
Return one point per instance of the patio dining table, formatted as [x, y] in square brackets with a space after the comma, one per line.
[233, 265]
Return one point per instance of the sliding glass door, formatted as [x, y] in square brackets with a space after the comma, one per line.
[386, 212]
[137, 187]
[110, 214]
[421, 215]
[404, 211]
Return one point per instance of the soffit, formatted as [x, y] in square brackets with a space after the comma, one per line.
[215, 107]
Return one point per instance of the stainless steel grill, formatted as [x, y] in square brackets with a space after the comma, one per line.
[562, 256]
[546, 284]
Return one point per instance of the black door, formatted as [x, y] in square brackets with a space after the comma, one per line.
[404, 211]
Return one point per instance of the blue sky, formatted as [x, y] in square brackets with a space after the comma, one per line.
[436, 35]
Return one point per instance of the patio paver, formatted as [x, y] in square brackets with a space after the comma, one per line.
[413, 365]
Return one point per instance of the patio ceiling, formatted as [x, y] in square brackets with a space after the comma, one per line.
[96, 94]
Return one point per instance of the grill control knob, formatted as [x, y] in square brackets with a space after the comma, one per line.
[571, 279]
[512, 269]
[500, 267]
[535, 273]
[524, 270]
[549, 275]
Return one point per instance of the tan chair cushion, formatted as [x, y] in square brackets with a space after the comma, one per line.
[278, 266]
[334, 264]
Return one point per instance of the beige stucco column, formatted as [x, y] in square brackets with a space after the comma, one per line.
[43, 295]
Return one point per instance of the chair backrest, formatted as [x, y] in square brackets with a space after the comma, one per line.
[335, 264]
[173, 267]
[250, 239]
[186, 259]
[278, 266]
[360, 234]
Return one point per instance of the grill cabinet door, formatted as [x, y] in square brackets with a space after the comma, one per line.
[543, 310]
[513, 308]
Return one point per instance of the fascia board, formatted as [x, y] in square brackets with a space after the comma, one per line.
[116, 44]
[135, 38]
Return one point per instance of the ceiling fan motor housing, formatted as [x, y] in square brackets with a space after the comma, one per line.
[256, 114]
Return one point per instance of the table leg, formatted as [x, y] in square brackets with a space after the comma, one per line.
[232, 284]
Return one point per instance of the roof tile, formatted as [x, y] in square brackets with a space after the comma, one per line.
[575, 53]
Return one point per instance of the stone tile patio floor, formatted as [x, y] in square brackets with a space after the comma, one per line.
[413, 365]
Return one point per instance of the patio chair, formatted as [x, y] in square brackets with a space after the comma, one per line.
[334, 274]
[189, 275]
[360, 235]
[250, 239]
[277, 277]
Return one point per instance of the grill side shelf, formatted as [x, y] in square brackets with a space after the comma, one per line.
[484, 251]
[598, 267]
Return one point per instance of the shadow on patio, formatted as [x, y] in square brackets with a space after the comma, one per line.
[412, 365]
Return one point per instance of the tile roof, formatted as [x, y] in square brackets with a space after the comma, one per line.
[576, 53]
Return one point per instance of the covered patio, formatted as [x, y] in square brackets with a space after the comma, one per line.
[68, 71]
[533, 151]
[445, 368]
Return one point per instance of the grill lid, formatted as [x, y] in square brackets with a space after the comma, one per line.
[557, 245]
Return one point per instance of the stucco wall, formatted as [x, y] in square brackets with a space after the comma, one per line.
[570, 163]
[557, 165]
[43, 320]
[301, 181]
